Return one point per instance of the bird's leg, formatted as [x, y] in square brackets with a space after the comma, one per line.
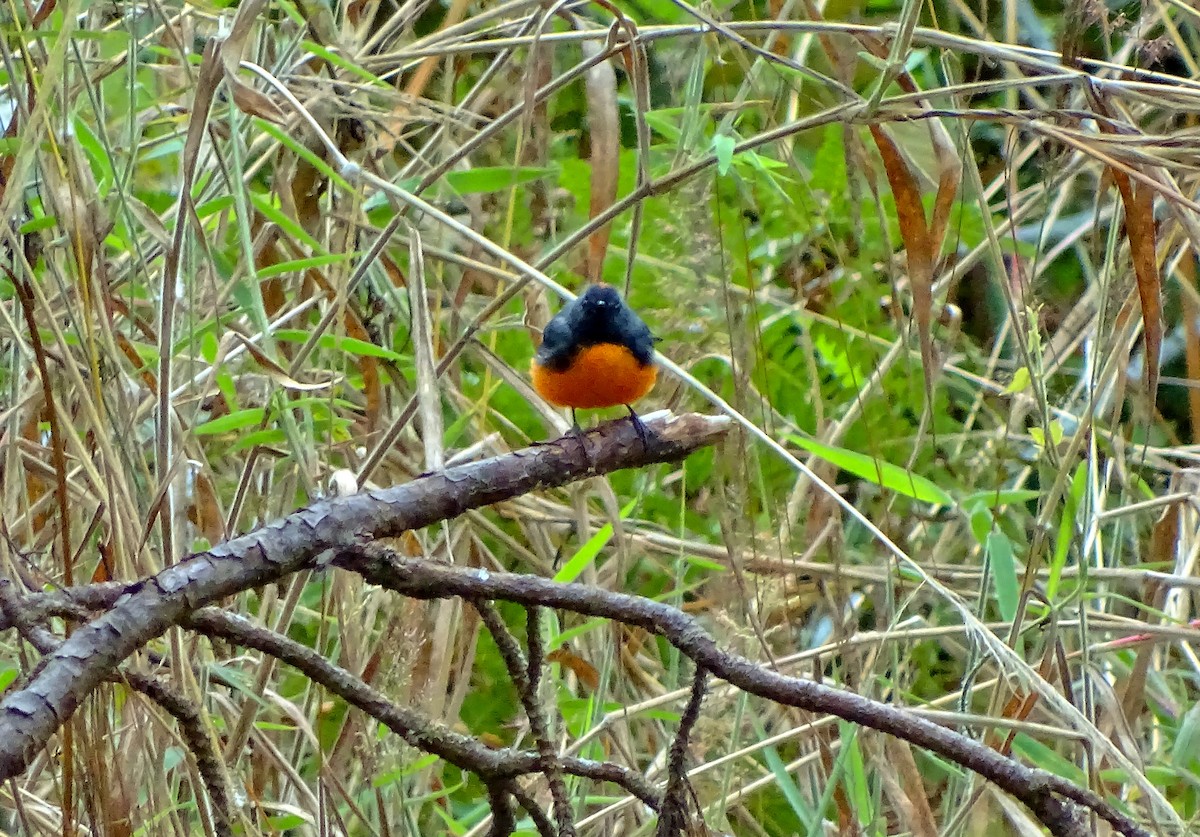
[639, 426]
[578, 433]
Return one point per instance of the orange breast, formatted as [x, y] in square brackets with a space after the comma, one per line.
[605, 375]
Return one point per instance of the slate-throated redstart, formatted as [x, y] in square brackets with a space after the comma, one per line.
[596, 352]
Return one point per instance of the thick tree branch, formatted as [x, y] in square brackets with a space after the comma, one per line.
[29, 716]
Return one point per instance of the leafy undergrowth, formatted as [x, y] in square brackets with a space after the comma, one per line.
[912, 262]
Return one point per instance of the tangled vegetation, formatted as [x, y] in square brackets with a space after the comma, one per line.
[935, 263]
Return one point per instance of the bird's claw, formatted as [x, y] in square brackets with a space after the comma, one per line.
[640, 427]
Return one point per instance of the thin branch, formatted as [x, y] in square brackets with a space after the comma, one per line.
[462, 751]
[196, 736]
[537, 651]
[525, 677]
[541, 822]
[1037, 789]
[503, 821]
[673, 818]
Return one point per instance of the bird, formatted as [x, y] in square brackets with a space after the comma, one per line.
[596, 352]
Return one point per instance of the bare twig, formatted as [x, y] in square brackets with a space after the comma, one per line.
[503, 821]
[525, 677]
[463, 751]
[672, 820]
[540, 820]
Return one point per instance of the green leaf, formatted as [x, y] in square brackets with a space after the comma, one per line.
[45, 222]
[706, 564]
[1046, 758]
[203, 210]
[342, 62]
[982, 523]
[588, 553]
[209, 346]
[1039, 436]
[354, 346]
[831, 349]
[249, 297]
[384, 779]
[99, 157]
[296, 335]
[286, 822]
[1020, 381]
[829, 164]
[266, 436]
[1066, 529]
[231, 422]
[172, 758]
[287, 223]
[297, 265]
[786, 785]
[999, 551]
[857, 780]
[1187, 740]
[1056, 431]
[872, 59]
[494, 178]
[298, 148]
[331, 342]
[169, 149]
[722, 147]
[996, 498]
[664, 124]
[573, 633]
[585, 555]
[878, 472]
